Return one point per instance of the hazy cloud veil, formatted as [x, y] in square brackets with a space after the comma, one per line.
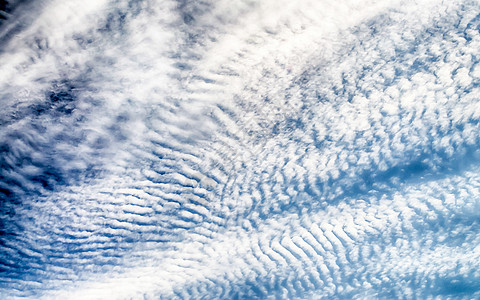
[246, 149]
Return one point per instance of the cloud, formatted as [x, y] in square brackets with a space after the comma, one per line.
[199, 149]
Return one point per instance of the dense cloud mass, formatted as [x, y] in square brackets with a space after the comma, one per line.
[239, 149]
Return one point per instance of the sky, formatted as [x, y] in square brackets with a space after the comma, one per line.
[239, 149]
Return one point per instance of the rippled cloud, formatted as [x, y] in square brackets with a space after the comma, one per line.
[247, 149]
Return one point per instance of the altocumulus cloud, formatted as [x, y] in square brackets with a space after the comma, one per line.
[245, 149]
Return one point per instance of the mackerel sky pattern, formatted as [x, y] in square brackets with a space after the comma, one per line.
[275, 149]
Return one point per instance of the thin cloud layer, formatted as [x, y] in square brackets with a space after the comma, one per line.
[208, 149]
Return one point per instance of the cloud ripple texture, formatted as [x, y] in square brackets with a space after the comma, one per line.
[240, 149]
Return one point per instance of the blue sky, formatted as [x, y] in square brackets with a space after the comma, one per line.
[247, 149]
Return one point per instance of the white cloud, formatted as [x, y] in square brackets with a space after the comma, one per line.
[298, 149]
